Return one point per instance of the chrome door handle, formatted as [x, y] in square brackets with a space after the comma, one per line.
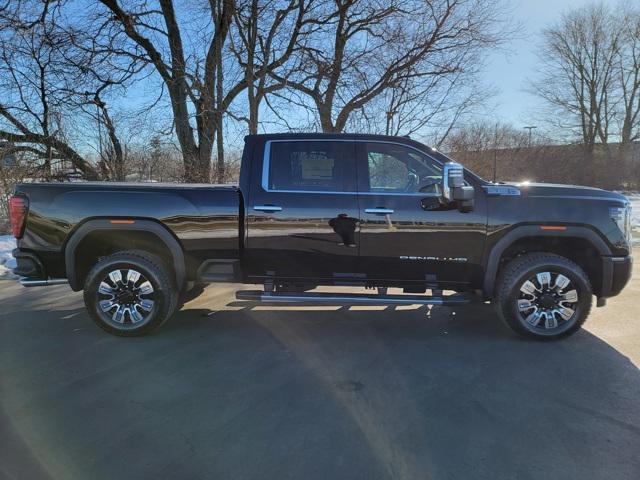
[267, 208]
[379, 211]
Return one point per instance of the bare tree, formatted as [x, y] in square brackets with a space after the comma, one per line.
[503, 152]
[156, 161]
[267, 34]
[430, 106]
[497, 151]
[193, 80]
[363, 49]
[32, 73]
[112, 157]
[579, 72]
[628, 63]
[96, 77]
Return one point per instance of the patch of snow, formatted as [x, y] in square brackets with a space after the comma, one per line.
[7, 244]
[634, 198]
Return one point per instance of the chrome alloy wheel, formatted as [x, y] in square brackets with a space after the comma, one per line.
[547, 300]
[126, 299]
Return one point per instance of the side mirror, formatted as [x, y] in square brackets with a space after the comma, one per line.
[452, 178]
[454, 189]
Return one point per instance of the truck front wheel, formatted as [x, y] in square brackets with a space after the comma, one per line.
[543, 296]
[130, 293]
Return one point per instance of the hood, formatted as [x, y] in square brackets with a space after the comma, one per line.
[555, 190]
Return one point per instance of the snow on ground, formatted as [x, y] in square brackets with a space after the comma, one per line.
[634, 198]
[7, 243]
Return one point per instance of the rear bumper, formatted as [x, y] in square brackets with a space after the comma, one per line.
[28, 265]
[616, 272]
[31, 270]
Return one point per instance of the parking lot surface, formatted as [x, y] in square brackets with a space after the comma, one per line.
[243, 391]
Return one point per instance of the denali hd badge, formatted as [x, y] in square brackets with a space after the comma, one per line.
[433, 259]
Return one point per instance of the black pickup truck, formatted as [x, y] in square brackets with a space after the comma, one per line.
[317, 209]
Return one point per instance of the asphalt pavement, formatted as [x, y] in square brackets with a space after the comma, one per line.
[228, 390]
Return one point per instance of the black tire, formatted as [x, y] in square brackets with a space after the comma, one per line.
[534, 315]
[129, 299]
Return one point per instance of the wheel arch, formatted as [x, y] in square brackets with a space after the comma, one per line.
[164, 244]
[575, 242]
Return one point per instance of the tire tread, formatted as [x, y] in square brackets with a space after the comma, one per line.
[515, 269]
[159, 269]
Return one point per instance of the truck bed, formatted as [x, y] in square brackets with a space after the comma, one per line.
[204, 218]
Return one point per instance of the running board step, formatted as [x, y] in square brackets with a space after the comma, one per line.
[41, 282]
[219, 270]
[349, 299]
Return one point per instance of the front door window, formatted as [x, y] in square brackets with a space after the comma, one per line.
[397, 169]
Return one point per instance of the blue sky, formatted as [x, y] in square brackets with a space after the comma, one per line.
[510, 70]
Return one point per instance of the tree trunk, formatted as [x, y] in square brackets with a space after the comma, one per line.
[254, 105]
[196, 158]
[197, 161]
[118, 156]
[197, 164]
[588, 170]
[220, 150]
[46, 167]
[219, 113]
[194, 166]
[326, 122]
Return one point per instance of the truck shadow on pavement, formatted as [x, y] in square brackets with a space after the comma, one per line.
[252, 391]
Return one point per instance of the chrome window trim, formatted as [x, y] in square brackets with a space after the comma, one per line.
[267, 153]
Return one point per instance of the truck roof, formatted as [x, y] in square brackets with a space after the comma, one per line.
[351, 136]
[341, 136]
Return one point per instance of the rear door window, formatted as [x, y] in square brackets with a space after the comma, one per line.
[316, 166]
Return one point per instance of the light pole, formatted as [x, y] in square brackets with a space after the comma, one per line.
[495, 154]
[530, 128]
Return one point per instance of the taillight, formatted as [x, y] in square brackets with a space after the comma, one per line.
[18, 207]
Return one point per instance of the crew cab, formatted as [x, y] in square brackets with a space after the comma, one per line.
[329, 209]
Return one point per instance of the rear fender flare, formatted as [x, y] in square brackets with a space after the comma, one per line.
[148, 226]
[492, 260]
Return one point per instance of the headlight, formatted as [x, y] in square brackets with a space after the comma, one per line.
[622, 217]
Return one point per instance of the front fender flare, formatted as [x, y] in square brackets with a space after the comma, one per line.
[90, 226]
[492, 258]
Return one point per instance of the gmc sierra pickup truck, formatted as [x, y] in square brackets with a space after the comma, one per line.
[319, 209]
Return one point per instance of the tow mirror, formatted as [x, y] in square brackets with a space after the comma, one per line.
[454, 189]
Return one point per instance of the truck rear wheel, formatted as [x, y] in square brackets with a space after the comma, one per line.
[543, 296]
[130, 293]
